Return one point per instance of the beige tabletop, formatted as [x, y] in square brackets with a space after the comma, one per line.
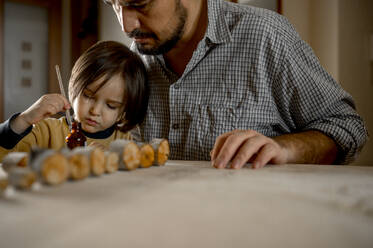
[190, 204]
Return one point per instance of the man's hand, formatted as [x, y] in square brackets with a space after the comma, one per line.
[242, 146]
[46, 106]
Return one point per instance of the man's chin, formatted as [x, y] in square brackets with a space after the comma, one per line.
[147, 49]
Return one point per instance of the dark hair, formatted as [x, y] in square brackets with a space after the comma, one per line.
[104, 60]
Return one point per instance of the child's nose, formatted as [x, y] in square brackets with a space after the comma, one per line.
[95, 109]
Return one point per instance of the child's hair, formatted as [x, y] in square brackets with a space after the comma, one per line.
[106, 59]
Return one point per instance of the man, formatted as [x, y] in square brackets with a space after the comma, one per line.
[240, 81]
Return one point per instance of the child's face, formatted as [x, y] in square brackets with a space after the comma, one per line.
[99, 111]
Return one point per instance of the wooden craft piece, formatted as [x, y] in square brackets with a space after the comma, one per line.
[111, 162]
[15, 159]
[79, 164]
[129, 153]
[162, 151]
[96, 158]
[21, 178]
[147, 154]
[51, 166]
[3, 184]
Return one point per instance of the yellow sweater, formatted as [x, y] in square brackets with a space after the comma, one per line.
[51, 133]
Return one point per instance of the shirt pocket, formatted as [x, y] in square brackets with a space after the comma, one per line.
[207, 123]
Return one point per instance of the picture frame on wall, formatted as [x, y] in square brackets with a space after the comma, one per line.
[275, 5]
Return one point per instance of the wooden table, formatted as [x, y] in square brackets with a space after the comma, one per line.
[190, 204]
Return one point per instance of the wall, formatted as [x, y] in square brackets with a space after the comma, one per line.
[298, 13]
[66, 43]
[317, 23]
[108, 26]
[356, 26]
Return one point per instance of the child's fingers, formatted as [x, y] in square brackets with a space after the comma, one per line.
[66, 102]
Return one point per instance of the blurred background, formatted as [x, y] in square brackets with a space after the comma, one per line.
[35, 35]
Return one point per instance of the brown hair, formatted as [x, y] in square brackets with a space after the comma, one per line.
[104, 60]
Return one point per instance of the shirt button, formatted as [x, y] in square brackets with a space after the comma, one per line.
[176, 86]
[175, 126]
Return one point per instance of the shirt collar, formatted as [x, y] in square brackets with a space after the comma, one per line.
[217, 30]
[101, 134]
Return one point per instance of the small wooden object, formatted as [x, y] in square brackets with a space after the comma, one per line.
[79, 164]
[3, 184]
[21, 178]
[111, 162]
[96, 158]
[129, 153]
[147, 155]
[51, 166]
[162, 150]
[15, 159]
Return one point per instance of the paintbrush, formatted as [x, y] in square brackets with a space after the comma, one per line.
[68, 116]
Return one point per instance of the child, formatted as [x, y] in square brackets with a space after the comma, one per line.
[109, 95]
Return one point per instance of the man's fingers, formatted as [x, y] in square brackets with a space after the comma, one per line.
[270, 153]
[266, 154]
[249, 149]
[218, 144]
[231, 146]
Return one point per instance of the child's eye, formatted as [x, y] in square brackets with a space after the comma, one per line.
[87, 95]
[111, 106]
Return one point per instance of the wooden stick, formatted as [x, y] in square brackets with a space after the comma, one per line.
[68, 116]
[96, 158]
[15, 159]
[129, 153]
[51, 166]
[111, 162]
[147, 154]
[162, 151]
[21, 178]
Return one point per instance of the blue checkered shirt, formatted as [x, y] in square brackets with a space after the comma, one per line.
[251, 71]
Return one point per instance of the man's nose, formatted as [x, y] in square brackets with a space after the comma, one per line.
[130, 20]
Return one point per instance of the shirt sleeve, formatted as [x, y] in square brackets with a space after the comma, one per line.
[315, 101]
[8, 138]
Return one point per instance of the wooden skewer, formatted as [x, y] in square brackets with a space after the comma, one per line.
[15, 159]
[129, 153]
[147, 154]
[51, 166]
[162, 150]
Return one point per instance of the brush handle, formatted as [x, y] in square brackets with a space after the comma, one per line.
[68, 116]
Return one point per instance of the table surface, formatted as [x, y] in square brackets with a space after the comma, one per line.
[191, 204]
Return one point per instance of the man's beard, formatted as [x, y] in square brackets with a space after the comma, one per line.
[168, 44]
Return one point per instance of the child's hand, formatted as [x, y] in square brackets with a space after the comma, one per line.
[46, 106]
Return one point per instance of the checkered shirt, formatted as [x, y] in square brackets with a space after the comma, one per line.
[251, 71]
